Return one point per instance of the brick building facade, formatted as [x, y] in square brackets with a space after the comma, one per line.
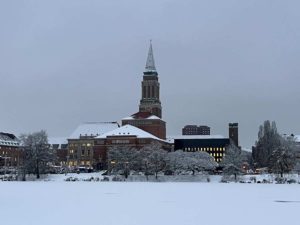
[10, 151]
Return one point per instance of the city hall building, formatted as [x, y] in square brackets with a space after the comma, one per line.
[148, 118]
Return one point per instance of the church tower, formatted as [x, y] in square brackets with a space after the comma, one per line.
[150, 88]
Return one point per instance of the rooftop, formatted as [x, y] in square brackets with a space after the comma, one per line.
[142, 115]
[172, 138]
[7, 139]
[129, 130]
[93, 129]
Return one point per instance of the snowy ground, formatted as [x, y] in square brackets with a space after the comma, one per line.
[146, 203]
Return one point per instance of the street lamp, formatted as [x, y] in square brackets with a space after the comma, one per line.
[126, 172]
[112, 163]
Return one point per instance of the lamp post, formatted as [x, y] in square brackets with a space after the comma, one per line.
[112, 163]
[5, 163]
[126, 172]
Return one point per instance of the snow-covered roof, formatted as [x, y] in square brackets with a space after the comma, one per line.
[93, 129]
[153, 117]
[197, 137]
[142, 115]
[297, 138]
[129, 130]
[57, 141]
[128, 118]
[172, 138]
[7, 139]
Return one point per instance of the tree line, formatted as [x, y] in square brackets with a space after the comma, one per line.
[272, 151]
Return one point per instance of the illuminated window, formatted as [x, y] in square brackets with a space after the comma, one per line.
[211, 149]
[88, 144]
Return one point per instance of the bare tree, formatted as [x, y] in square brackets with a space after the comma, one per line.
[37, 153]
[123, 158]
[268, 141]
[282, 160]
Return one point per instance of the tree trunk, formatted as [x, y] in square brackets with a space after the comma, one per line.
[37, 170]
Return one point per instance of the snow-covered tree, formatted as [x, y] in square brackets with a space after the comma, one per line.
[37, 154]
[153, 158]
[273, 150]
[190, 161]
[282, 159]
[123, 158]
[268, 141]
[233, 156]
[231, 169]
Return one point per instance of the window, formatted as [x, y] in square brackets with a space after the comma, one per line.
[82, 151]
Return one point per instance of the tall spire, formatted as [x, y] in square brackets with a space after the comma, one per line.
[150, 65]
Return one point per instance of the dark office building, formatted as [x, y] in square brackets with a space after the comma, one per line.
[195, 130]
[214, 145]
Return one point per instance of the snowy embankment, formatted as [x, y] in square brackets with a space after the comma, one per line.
[142, 203]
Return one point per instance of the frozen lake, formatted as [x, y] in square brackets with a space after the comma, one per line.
[117, 203]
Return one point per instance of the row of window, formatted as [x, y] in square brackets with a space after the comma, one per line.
[83, 152]
[120, 141]
[217, 154]
[81, 163]
[222, 149]
[9, 143]
[83, 145]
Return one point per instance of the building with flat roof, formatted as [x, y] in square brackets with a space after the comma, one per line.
[215, 145]
[196, 130]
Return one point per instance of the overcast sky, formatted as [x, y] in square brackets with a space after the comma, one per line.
[67, 62]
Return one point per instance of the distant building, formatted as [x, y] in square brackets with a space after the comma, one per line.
[10, 151]
[215, 145]
[295, 138]
[147, 122]
[195, 130]
[81, 151]
[127, 135]
[234, 133]
[150, 101]
[150, 111]
[60, 146]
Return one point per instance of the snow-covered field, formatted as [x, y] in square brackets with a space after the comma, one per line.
[141, 203]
